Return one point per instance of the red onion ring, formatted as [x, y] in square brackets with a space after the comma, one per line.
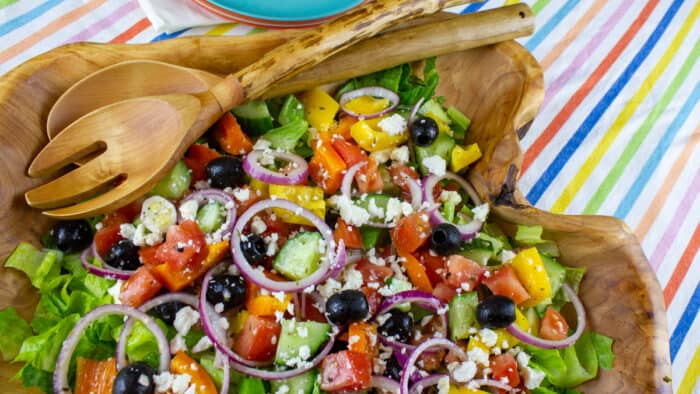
[468, 230]
[206, 309]
[332, 259]
[428, 381]
[420, 298]
[416, 193]
[383, 383]
[549, 344]
[252, 166]
[373, 91]
[422, 348]
[346, 184]
[106, 271]
[60, 375]
[414, 111]
[216, 195]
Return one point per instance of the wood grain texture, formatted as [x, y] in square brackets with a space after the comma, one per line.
[500, 87]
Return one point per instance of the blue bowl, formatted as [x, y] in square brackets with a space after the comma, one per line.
[287, 10]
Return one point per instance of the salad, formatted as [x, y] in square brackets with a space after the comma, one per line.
[307, 244]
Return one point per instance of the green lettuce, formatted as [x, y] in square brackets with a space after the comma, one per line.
[39, 266]
[14, 330]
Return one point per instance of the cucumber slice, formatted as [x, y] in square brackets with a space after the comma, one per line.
[372, 236]
[210, 217]
[157, 214]
[442, 147]
[555, 271]
[254, 117]
[462, 314]
[301, 384]
[481, 256]
[432, 108]
[251, 385]
[299, 256]
[379, 201]
[300, 341]
[175, 184]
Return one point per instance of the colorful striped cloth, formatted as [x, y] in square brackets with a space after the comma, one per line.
[617, 134]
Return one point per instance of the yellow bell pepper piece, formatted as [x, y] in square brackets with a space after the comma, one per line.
[530, 270]
[475, 342]
[365, 105]
[319, 108]
[464, 390]
[259, 186]
[369, 136]
[309, 197]
[463, 157]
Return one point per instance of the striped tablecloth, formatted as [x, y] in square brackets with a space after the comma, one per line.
[617, 134]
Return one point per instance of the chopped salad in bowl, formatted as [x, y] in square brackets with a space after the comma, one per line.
[309, 243]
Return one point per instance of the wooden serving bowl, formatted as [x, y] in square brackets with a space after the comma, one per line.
[500, 87]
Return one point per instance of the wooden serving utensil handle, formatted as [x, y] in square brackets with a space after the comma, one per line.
[315, 45]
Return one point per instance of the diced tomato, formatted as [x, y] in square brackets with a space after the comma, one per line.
[148, 255]
[253, 197]
[343, 127]
[399, 174]
[430, 361]
[310, 312]
[373, 272]
[276, 225]
[553, 325]
[463, 272]
[368, 178]
[197, 158]
[444, 292]
[411, 232]
[326, 167]
[373, 298]
[199, 378]
[349, 151]
[346, 370]
[349, 234]
[230, 136]
[504, 366]
[184, 246]
[258, 339]
[125, 214]
[435, 266]
[364, 338]
[106, 237]
[95, 377]
[416, 272]
[504, 282]
[140, 287]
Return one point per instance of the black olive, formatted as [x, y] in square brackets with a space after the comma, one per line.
[331, 218]
[496, 311]
[135, 378]
[254, 249]
[72, 236]
[346, 307]
[226, 171]
[424, 131]
[226, 289]
[398, 326]
[445, 239]
[393, 368]
[124, 255]
[167, 311]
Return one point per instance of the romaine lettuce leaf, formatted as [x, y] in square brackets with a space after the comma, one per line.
[39, 266]
[14, 330]
[41, 350]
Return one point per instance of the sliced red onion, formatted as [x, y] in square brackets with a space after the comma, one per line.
[332, 258]
[491, 383]
[373, 91]
[416, 193]
[549, 344]
[385, 384]
[215, 334]
[422, 348]
[468, 230]
[252, 166]
[346, 184]
[414, 111]
[60, 375]
[226, 200]
[106, 271]
[423, 383]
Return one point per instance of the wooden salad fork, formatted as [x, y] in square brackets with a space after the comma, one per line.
[142, 138]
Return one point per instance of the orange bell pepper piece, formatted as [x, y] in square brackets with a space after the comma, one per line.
[230, 136]
[200, 379]
[343, 126]
[326, 166]
[94, 376]
[362, 338]
[349, 234]
[416, 272]
[259, 304]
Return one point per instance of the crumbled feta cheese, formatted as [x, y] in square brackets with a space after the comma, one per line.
[523, 359]
[393, 210]
[279, 295]
[393, 125]
[351, 213]
[199, 185]
[177, 344]
[450, 196]
[302, 331]
[374, 210]
[144, 380]
[330, 287]
[479, 356]
[171, 383]
[400, 154]
[480, 212]
[444, 385]
[488, 337]
[283, 389]
[464, 371]
[271, 241]
[203, 344]
[242, 194]
[115, 290]
[218, 307]
[99, 226]
[353, 279]
[185, 318]
[435, 165]
[257, 225]
[262, 144]
[533, 377]
[127, 230]
[353, 339]
[188, 210]
[223, 323]
[381, 156]
[279, 316]
[406, 208]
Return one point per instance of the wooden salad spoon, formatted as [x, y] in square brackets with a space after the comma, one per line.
[142, 138]
[439, 34]
[431, 36]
